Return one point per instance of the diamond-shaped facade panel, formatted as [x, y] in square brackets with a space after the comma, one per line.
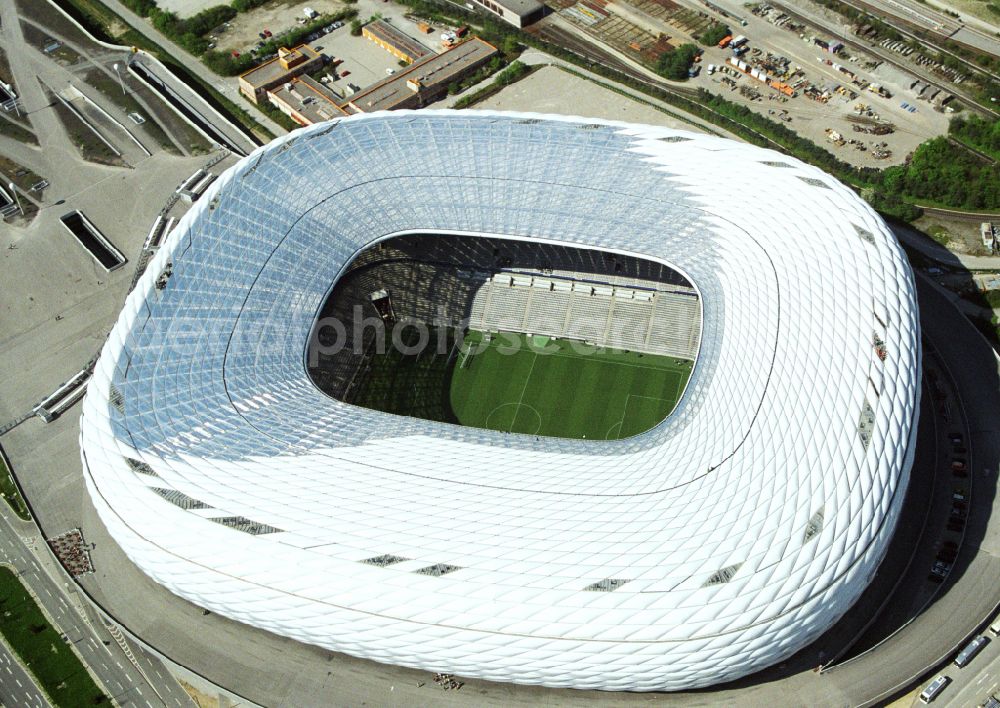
[791, 408]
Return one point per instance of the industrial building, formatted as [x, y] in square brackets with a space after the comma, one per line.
[394, 41]
[289, 64]
[424, 81]
[722, 541]
[306, 101]
[519, 13]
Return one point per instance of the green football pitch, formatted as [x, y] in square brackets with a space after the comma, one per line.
[523, 384]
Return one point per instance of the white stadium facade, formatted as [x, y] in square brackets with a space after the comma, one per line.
[717, 543]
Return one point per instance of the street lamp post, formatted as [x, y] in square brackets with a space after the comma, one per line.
[120, 79]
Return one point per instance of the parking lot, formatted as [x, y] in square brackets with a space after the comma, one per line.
[361, 61]
[243, 31]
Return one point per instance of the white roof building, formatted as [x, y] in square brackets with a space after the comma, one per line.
[713, 545]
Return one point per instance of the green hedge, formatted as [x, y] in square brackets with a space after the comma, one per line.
[515, 72]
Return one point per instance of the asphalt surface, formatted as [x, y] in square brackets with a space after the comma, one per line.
[942, 255]
[17, 686]
[146, 684]
[56, 277]
[974, 683]
[227, 87]
[276, 671]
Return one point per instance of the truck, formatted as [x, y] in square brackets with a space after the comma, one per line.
[724, 42]
[738, 42]
[310, 13]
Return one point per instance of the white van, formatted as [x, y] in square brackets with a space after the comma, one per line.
[995, 628]
[934, 688]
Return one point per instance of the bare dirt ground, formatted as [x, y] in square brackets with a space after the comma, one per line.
[958, 235]
[276, 16]
[552, 90]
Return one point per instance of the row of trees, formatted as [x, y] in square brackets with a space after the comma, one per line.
[191, 33]
[493, 66]
[188, 33]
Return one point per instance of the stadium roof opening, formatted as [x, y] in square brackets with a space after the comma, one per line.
[516, 336]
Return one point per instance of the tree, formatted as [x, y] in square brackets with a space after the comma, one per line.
[713, 35]
[356, 26]
[675, 64]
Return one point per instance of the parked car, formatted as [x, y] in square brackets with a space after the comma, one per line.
[235, 54]
[267, 33]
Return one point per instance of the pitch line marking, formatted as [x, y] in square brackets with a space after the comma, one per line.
[629, 398]
[524, 388]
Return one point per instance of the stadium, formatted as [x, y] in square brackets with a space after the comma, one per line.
[524, 398]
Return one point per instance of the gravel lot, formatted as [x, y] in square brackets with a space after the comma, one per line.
[811, 118]
[552, 90]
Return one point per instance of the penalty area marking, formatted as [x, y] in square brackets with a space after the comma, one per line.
[517, 411]
[628, 400]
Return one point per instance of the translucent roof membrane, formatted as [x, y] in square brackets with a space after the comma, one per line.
[705, 549]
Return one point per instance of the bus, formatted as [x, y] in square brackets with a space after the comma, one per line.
[969, 652]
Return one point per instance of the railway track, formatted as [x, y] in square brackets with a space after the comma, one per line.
[889, 57]
[911, 29]
[960, 215]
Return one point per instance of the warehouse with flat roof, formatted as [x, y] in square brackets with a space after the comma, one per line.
[306, 101]
[424, 81]
[519, 13]
[289, 63]
[398, 43]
